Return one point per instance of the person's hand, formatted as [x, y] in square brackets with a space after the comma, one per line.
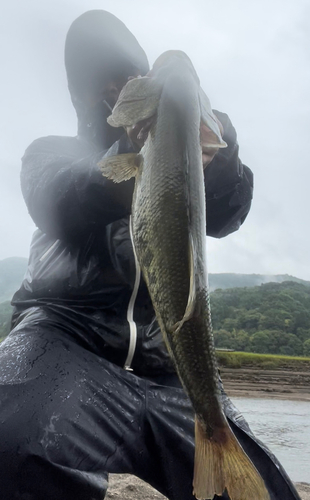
[207, 137]
[138, 133]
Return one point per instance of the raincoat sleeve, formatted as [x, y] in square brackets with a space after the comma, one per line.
[229, 186]
[65, 193]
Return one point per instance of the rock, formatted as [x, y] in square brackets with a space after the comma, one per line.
[127, 487]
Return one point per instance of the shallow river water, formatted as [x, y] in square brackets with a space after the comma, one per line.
[284, 426]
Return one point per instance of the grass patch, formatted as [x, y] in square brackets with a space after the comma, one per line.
[263, 361]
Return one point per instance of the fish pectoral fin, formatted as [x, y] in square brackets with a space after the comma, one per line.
[191, 301]
[121, 167]
[137, 101]
[221, 463]
[208, 118]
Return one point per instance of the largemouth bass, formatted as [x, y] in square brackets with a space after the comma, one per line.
[169, 233]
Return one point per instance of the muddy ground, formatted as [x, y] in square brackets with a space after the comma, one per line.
[245, 382]
[253, 382]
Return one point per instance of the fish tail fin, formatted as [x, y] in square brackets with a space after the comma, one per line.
[221, 463]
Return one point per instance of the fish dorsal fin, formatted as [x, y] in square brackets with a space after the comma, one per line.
[137, 101]
[208, 119]
[121, 167]
[191, 302]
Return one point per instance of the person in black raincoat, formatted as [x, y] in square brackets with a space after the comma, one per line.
[86, 384]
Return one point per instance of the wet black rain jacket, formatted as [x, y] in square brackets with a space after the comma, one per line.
[82, 276]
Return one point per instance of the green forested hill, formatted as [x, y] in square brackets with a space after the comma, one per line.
[232, 280]
[272, 318]
[5, 318]
[12, 271]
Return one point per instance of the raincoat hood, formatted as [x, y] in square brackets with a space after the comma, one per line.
[99, 48]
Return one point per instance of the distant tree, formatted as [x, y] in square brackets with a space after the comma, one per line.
[261, 342]
[250, 320]
[5, 318]
[302, 319]
[303, 333]
[241, 340]
[293, 344]
[306, 348]
[230, 324]
[223, 339]
[280, 342]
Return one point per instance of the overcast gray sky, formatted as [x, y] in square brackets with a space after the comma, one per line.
[253, 59]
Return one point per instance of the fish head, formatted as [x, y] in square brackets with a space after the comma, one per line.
[138, 101]
[173, 60]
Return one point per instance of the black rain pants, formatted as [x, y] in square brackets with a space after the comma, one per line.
[69, 417]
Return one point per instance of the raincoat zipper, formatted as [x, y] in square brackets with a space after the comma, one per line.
[130, 309]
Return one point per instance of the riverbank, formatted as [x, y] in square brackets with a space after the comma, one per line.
[123, 486]
[258, 383]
